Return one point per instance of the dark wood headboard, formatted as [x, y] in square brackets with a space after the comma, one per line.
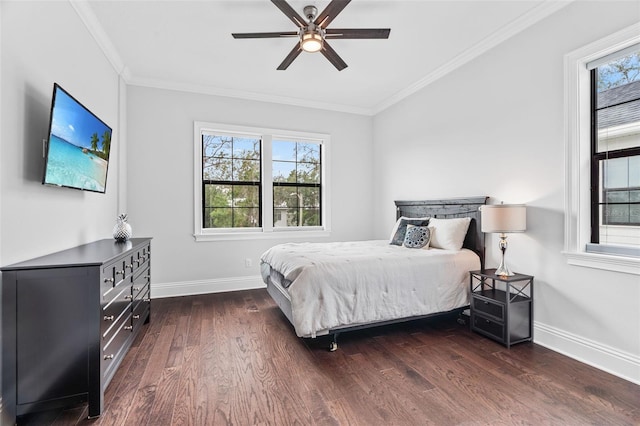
[449, 208]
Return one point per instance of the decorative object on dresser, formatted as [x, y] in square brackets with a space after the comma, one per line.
[503, 218]
[122, 230]
[68, 319]
[503, 314]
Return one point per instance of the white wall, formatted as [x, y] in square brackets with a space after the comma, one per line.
[43, 43]
[160, 183]
[495, 127]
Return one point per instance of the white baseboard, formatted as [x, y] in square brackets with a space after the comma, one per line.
[602, 357]
[218, 285]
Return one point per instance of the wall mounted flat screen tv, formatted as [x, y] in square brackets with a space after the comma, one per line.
[77, 150]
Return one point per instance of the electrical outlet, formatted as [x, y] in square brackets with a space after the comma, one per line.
[248, 263]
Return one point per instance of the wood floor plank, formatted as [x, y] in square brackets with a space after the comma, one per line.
[234, 359]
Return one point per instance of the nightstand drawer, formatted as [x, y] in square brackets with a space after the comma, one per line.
[487, 326]
[488, 307]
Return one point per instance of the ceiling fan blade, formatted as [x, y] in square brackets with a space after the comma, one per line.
[330, 12]
[333, 57]
[290, 12]
[335, 33]
[290, 57]
[265, 35]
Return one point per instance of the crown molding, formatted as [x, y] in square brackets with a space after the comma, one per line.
[98, 33]
[535, 15]
[86, 14]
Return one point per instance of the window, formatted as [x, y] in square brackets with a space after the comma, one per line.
[602, 110]
[255, 183]
[615, 150]
[230, 181]
[296, 183]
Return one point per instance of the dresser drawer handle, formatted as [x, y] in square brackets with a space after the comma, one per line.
[128, 297]
[119, 272]
[129, 266]
[136, 317]
[107, 357]
[109, 280]
[108, 317]
[128, 327]
[136, 288]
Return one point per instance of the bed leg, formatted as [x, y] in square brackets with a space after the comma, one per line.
[333, 346]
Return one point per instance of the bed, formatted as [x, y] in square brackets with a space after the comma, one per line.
[330, 288]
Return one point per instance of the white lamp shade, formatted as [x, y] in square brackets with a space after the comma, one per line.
[503, 218]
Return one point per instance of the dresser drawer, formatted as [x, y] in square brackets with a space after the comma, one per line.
[141, 257]
[115, 310]
[488, 307]
[114, 347]
[141, 310]
[488, 326]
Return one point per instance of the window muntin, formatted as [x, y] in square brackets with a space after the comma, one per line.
[615, 165]
[231, 183]
[297, 189]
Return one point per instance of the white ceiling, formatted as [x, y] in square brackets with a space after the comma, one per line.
[188, 45]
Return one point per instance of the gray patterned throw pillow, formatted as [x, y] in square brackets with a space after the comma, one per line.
[401, 231]
[417, 236]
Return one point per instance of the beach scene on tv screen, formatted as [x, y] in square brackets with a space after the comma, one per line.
[79, 146]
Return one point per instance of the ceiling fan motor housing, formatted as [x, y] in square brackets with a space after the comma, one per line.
[310, 12]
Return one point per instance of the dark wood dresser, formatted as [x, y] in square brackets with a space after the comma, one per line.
[68, 319]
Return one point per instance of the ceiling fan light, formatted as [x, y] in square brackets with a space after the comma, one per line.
[311, 42]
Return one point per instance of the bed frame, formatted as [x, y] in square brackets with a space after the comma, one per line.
[444, 208]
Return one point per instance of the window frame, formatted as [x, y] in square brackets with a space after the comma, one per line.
[577, 226]
[267, 230]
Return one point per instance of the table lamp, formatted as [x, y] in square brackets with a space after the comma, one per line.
[503, 219]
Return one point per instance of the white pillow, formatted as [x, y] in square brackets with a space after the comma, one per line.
[448, 234]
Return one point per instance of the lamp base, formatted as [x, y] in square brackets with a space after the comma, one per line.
[502, 270]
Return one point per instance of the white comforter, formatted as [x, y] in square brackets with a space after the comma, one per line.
[350, 283]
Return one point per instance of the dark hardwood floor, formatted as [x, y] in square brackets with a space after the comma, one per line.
[233, 359]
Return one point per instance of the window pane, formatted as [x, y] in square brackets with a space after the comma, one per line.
[283, 217]
[308, 152]
[310, 196]
[248, 148]
[219, 217]
[616, 214]
[216, 146]
[617, 196]
[634, 171]
[246, 196]
[284, 151]
[311, 217]
[217, 169]
[217, 195]
[308, 173]
[246, 217]
[246, 170]
[284, 171]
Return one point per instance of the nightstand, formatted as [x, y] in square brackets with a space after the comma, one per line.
[502, 306]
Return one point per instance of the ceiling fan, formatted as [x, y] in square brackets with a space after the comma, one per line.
[313, 32]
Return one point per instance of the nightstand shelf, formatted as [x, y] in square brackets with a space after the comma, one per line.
[502, 307]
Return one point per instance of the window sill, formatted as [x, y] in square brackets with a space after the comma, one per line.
[623, 264]
[247, 236]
